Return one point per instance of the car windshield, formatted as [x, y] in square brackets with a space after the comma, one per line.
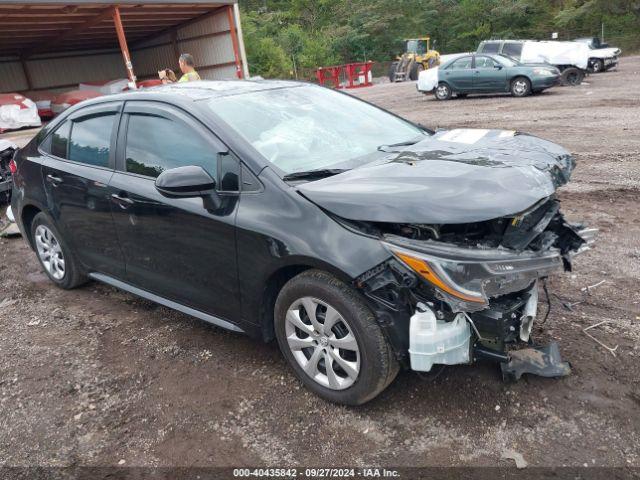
[309, 127]
[588, 41]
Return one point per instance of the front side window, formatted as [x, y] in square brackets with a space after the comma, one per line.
[156, 144]
[90, 140]
[309, 127]
[460, 64]
[490, 47]
[513, 50]
[60, 140]
[484, 62]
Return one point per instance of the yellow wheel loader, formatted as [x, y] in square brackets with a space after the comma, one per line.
[417, 57]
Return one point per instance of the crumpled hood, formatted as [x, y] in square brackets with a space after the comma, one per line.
[454, 176]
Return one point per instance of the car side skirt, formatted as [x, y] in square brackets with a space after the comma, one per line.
[163, 301]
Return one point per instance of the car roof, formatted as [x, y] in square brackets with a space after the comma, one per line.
[201, 90]
[495, 56]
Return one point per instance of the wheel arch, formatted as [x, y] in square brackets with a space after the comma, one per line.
[27, 215]
[453, 90]
[278, 278]
[520, 75]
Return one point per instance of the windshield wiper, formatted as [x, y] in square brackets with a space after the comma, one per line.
[319, 173]
[382, 148]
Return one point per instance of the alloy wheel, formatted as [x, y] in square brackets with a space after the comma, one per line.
[520, 87]
[442, 91]
[323, 343]
[50, 252]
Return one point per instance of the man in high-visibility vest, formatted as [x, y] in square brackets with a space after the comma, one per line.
[187, 67]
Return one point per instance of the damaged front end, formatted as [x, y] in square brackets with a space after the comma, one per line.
[470, 291]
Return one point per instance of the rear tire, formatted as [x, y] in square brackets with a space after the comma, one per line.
[572, 76]
[414, 73]
[55, 256]
[443, 91]
[368, 360]
[520, 87]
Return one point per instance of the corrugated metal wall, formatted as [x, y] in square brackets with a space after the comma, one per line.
[209, 41]
[212, 49]
[11, 76]
[67, 71]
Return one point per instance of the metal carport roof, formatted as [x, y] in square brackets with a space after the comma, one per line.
[54, 26]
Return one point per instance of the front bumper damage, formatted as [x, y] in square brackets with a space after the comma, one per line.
[465, 302]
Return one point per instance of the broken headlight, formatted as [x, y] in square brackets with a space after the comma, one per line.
[465, 277]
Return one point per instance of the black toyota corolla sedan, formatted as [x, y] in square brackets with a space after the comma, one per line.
[360, 241]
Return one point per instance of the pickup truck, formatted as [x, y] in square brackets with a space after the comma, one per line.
[602, 57]
[571, 58]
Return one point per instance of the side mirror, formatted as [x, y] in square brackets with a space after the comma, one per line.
[499, 67]
[190, 181]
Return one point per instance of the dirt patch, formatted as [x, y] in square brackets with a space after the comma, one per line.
[95, 376]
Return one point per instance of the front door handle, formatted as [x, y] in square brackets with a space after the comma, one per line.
[53, 180]
[123, 202]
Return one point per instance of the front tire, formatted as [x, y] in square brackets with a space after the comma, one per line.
[55, 256]
[332, 340]
[520, 87]
[597, 66]
[443, 91]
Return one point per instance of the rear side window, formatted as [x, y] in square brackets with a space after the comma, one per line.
[60, 140]
[490, 47]
[155, 144]
[90, 140]
[460, 64]
[512, 49]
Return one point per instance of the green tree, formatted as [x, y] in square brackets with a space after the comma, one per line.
[312, 33]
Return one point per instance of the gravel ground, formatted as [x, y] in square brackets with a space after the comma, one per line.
[97, 377]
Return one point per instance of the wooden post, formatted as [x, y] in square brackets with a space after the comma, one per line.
[122, 40]
[243, 53]
[234, 41]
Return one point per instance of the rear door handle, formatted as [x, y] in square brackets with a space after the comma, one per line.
[123, 201]
[53, 180]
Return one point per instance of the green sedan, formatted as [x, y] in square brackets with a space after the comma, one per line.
[471, 73]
